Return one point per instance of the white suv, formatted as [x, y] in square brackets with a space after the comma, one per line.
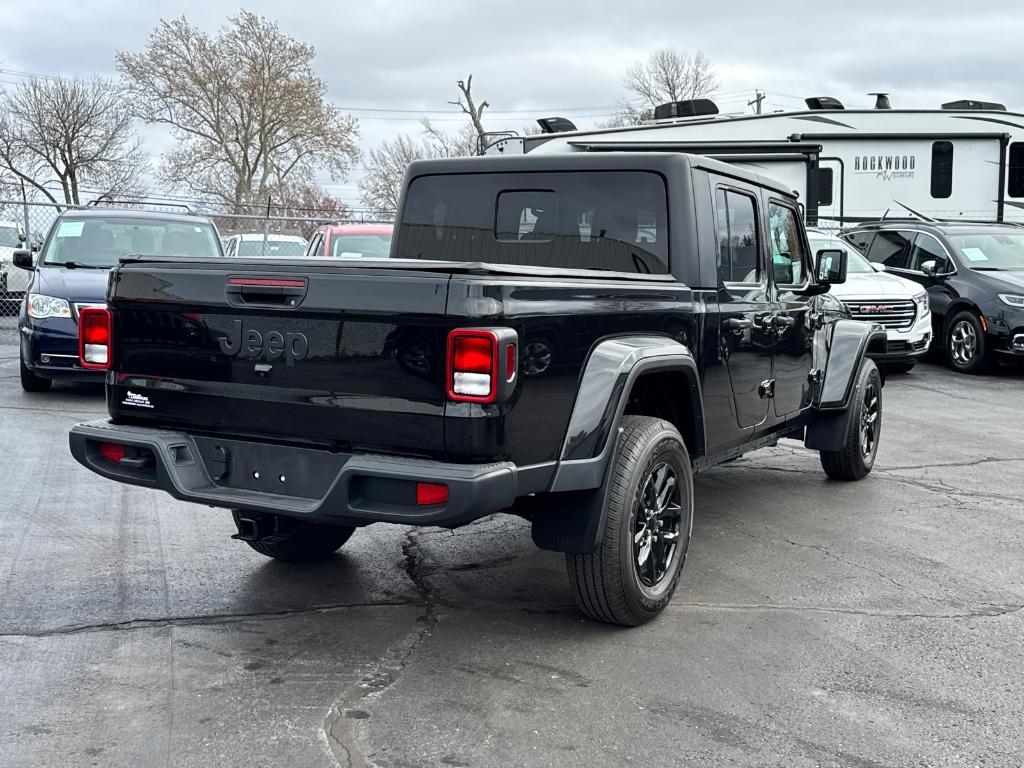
[880, 297]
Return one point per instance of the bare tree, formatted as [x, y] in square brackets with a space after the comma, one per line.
[249, 113]
[469, 107]
[384, 172]
[70, 140]
[667, 75]
[670, 75]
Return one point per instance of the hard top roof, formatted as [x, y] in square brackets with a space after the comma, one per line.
[660, 162]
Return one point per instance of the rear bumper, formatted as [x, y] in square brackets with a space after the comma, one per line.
[304, 483]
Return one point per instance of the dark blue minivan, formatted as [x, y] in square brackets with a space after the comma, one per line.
[70, 273]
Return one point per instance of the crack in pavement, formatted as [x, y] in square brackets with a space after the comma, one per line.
[340, 724]
[828, 553]
[992, 610]
[208, 619]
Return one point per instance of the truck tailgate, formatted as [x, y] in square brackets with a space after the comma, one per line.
[325, 353]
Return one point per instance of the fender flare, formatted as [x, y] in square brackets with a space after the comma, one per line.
[847, 347]
[611, 370]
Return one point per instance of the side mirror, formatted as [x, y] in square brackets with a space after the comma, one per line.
[830, 267]
[929, 267]
[23, 259]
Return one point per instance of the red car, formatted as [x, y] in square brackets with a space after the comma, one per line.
[351, 241]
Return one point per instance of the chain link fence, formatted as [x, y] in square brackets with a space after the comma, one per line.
[25, 225]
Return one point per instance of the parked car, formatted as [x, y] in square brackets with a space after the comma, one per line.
[258, 245]
[351, 241]
[974, 276]
[12, 281]
[898, 304]
[295, 407]
[70, 274]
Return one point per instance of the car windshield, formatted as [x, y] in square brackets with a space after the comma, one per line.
[100, 242]
[855, 262]
[991, 249]
[271, 247]
[360, 246]
[9, 237]
[603, 220]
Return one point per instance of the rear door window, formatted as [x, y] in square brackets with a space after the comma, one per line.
[604, 220]
[891, 248]
[927, 249]
[738, 250]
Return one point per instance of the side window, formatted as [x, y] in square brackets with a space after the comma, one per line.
[738, 251]
[825, 182]
[942, 169]
[1015, 171]
[927, 248]
[787, 245]
[891, 248]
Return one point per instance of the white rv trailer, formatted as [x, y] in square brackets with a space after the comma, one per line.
[965, 161]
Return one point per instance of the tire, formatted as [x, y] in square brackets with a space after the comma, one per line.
[863, 428]
[298, 542]
[607, 583]
[898, 368]
[965, 344]
[30, 382]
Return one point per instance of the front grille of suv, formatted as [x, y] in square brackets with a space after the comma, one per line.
[891, 314]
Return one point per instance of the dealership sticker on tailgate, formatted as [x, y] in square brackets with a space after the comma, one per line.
[139, 401]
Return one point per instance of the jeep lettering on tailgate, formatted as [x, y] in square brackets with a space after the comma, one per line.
[253, 344]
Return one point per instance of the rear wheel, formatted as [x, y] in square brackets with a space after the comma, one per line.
[633, 573]
[291, 541]
[863, 428]
[30, 382]
[966, 347]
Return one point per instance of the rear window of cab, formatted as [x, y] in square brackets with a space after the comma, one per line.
[601, 220]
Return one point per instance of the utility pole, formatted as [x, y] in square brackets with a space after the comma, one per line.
[758, 98]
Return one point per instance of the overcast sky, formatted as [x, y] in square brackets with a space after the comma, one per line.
[533, 58]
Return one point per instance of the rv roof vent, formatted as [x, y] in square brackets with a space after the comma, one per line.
[823, 102]
[555, 125]
[881, 100]
[986, 106]
[690, 108]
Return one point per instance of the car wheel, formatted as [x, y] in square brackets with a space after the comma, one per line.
[298, 542]
[966, 348]
[898, 367]
[30, 382]
[863, 428]
[648, 516]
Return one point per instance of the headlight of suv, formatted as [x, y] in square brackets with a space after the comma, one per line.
[1012, 299]
[41, 307]
[922, 301]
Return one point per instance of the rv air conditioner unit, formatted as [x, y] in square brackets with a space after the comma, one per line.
[691, 108]
[555, 125]
[984, 106]
[823, 102]
[881, 100]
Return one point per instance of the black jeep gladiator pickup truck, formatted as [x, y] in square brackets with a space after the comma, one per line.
[568, 338]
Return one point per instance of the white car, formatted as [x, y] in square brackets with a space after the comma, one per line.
[880, 297]
[257, 245]
[13, 282]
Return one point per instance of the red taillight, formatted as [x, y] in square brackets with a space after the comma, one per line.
[472, 365]
[113, 451]
[94, 337]
[430, 494]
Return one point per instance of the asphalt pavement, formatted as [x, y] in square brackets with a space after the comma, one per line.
[878, 623]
